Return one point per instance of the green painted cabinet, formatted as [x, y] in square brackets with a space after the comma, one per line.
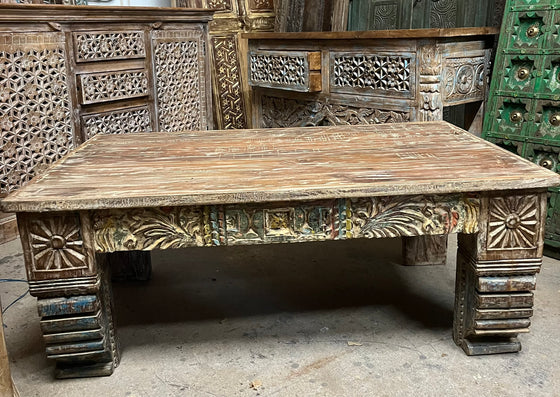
[523, 113]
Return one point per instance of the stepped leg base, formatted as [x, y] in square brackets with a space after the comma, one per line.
[483, 346]
[83, 371]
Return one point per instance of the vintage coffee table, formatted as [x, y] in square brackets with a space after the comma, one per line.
[214, 188]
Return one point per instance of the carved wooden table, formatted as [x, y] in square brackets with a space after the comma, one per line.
[214, 188]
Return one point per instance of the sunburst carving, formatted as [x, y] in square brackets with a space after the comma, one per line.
[513, 222]
[57, 244]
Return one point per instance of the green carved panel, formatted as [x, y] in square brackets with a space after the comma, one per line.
[523, 113]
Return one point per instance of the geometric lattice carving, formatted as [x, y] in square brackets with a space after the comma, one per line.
[57, 244]
[102, 87]
[513, 222]
[117, 122]
[179, 68]
[231, 107]
[35, 127]
[283, 112]
[464, 78]
[100, 46]
[371, 71]
[279, 70]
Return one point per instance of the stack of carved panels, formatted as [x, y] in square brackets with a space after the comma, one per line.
[524, 105]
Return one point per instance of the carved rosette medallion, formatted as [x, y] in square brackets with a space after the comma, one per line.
[513, 223]
[464, 79]
[57, 244]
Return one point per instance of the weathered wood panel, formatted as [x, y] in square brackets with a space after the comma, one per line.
[275, 165]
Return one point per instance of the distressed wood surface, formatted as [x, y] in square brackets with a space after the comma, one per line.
[216, 167]
[375, 34]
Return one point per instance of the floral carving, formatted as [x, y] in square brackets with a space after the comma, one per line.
[148, 228]
[464, 78]
[57, 244]
[414, 216]
[281, 112]
[513, 222]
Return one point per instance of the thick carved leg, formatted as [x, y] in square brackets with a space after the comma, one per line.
[496, 274]
[424, 250]
[73, 288]
[79, 333]
[130, 265]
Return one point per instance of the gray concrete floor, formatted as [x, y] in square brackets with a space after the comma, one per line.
[320, 319]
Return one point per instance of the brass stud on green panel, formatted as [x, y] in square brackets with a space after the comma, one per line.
[533, 31]
[546, 163]
[516, 116]
[523, 73]
[555, 119]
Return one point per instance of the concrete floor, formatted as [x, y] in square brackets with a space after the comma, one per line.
[320, 319]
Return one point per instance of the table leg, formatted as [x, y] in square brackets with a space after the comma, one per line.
[73, 287]
[79, 333]
[496, 273]
[130, 265]
[424, 250]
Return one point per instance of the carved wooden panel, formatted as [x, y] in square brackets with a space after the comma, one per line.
[108, 45]
[377, 217]
[110, 86]
[513, 223]
[35, 126]
[430, 102]
[368, 73]
[117, 122]
[443, 13]
[464, 79]
[280, 112]
[289, 70]
[179, 62]
[219, 5]
[57, 246]
[227, 80]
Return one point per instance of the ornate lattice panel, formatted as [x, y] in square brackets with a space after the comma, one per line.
[367, 73]
[228, 80]
[34, 106]
[110, 86]
[261, 5]
[100, 46]
[180, 79]
[117, 122]
[279, 70]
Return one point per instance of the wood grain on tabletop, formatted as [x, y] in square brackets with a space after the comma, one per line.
[214, 167]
